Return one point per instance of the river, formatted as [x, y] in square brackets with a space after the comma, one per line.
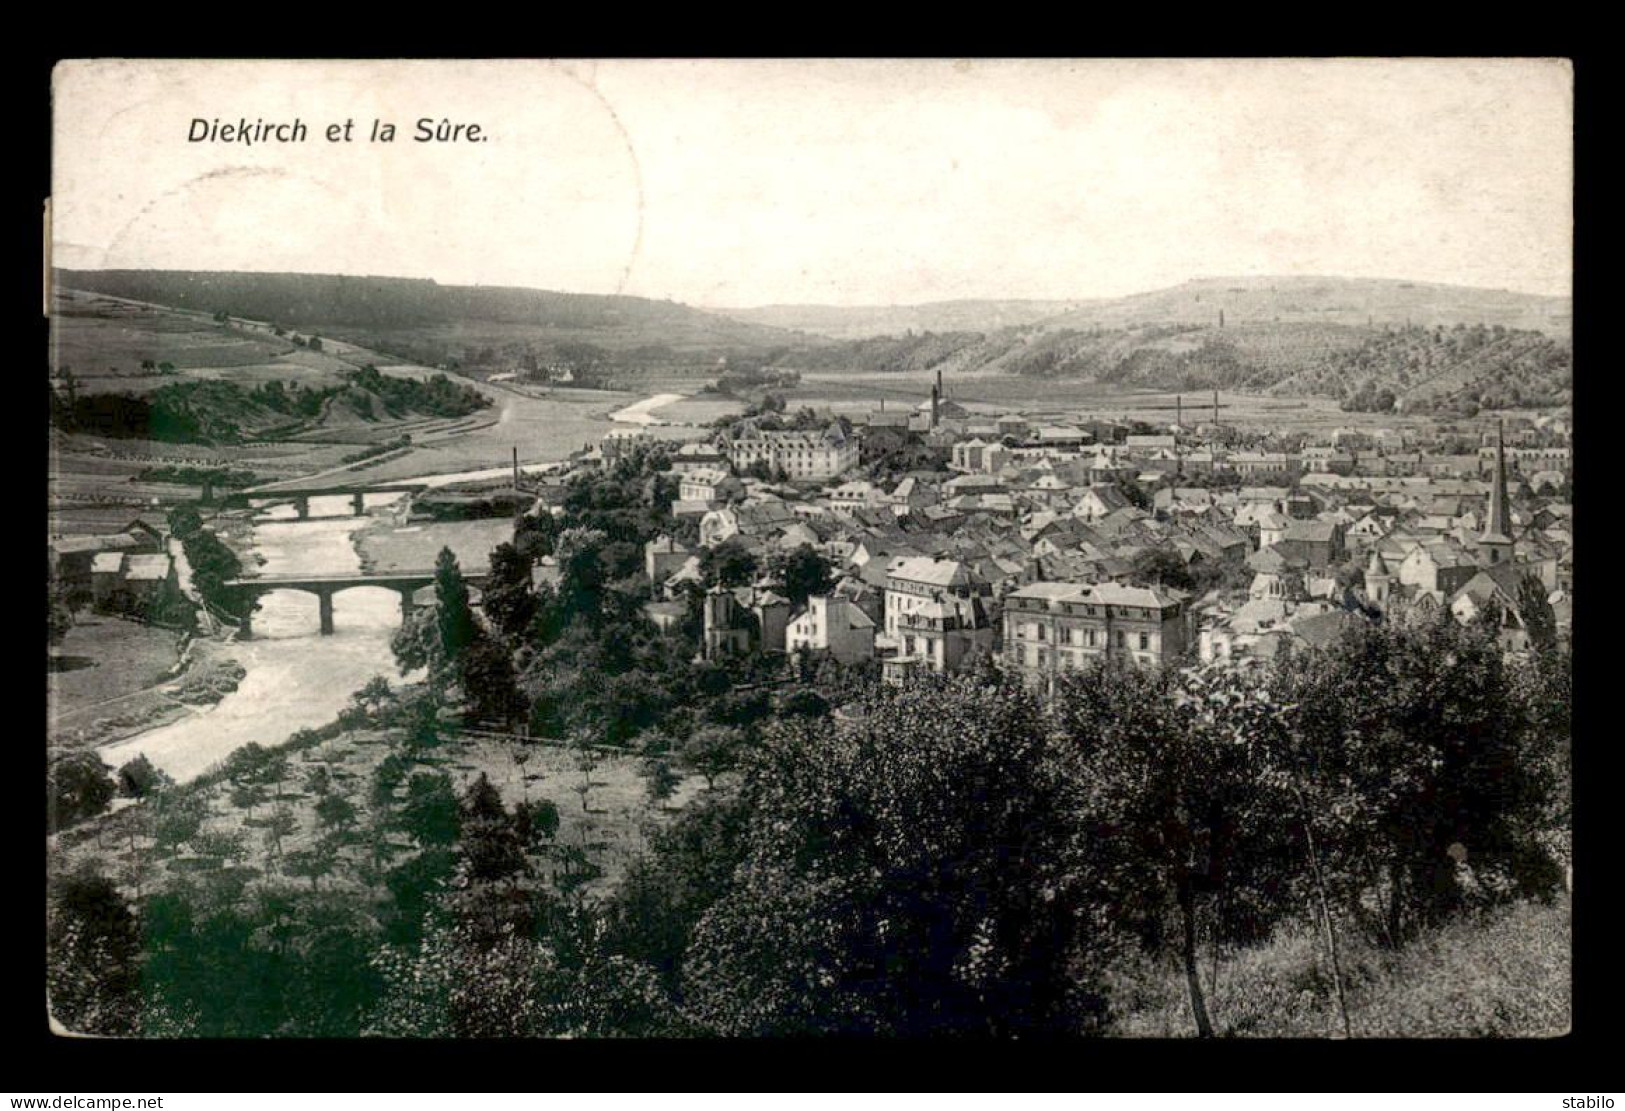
[295, 678]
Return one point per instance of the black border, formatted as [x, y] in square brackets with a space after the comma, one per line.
[40, 1063]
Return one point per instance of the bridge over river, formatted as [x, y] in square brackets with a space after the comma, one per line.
[301, 497]
[404, 583]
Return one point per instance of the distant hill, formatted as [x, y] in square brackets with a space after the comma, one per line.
[866, 321]
[1352, 301]
[1364, 341]
[429, 322]
[1278, 300]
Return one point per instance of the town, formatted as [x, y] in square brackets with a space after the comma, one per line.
[1044, 544]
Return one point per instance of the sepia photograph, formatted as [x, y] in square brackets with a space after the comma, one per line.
[997, 549]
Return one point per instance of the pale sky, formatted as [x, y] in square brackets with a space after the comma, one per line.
[859, 182]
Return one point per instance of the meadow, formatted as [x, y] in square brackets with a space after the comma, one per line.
[104, 658]
[606, 818]
[1501, 972]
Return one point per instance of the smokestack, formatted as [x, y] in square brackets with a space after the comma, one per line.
[1215, 408]
[1179, 411]
[516, 467]
[936, 392]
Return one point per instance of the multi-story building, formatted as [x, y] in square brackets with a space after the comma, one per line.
[698, 455]
[1051, 628]
[937, 615]
[833, 624]
[706, 484]
[914, 582]
[804, 456]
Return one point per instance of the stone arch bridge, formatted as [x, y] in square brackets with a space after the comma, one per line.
[404, 583]
[301, 497]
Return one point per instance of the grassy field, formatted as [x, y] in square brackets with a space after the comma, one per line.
[1498, 973]
[102, 682]
[604, 813]
[108, 657]
[105, 342]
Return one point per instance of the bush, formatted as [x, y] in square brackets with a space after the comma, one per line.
[78, 786]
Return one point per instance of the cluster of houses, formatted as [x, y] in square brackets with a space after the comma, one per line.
[125, 571]
[1024, 550]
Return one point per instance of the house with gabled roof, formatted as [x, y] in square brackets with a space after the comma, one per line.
[1051, 628]
[832, 624]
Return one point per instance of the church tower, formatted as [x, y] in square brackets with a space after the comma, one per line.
[1495, 543]
[1378, 580]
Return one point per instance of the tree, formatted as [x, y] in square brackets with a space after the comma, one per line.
[430, 813]
[1174, 824]
[509, 601]
[712, 750]
[63, 603]
[246, 796]
[1539, 621]
[659, 778]
[582, 578]
[138, 778]
[416, 644]
[903, 876]
[1415, 736]
[335, 812]
[488, 681]
[312, 863]
[805, 573]
[375, 696]
[93, 947]
[1133, 491]
[179, 816]
[419, 720]
[246, 764]
[1162, 567]
[318, 780]
[536, 822]
[729, 563]
[280, 824]
[491, 847]
[77, 786]
[454, 617]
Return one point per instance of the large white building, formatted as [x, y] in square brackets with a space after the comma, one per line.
[813, 455]
[1052, 627]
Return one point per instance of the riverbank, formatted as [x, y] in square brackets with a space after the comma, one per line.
[643, 411]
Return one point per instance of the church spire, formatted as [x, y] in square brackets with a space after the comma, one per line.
[1496, 540]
